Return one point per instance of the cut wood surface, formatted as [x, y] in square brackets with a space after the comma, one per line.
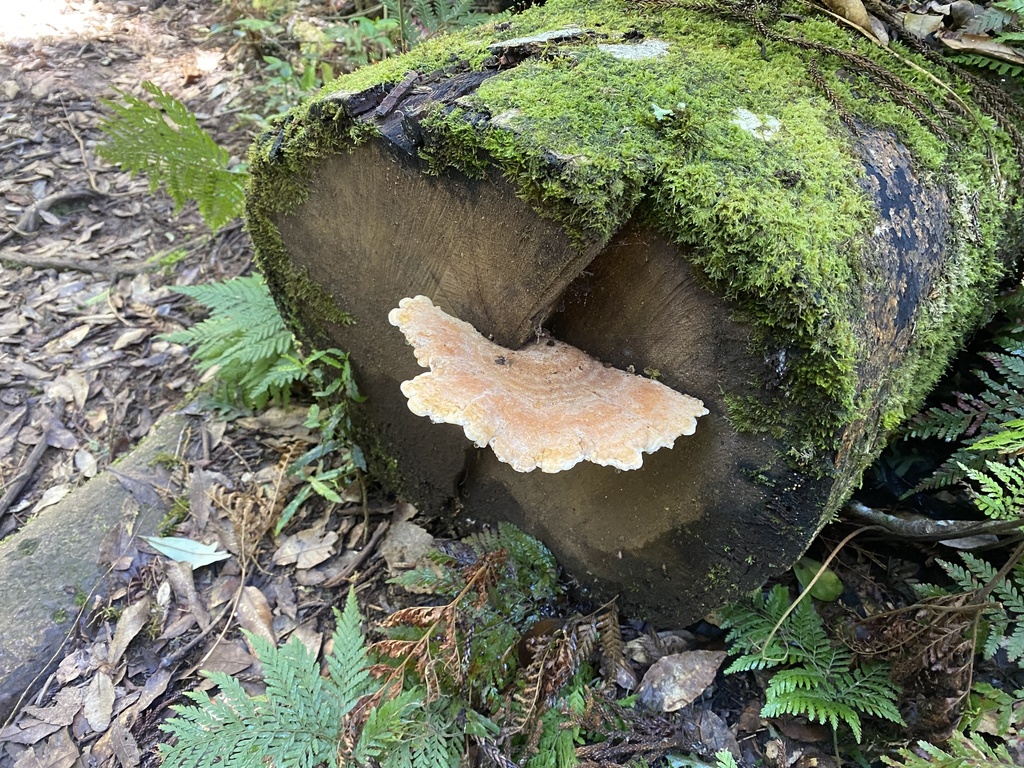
[808, 338]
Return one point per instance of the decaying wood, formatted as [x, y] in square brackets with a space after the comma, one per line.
[695, 525]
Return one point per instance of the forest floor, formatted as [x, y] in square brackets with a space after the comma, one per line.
[88, 258]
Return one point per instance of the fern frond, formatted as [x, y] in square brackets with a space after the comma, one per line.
[245, 338]
[348, 664]
[166, 143]
[1000, 493]
[297, 722]
[819, 681]
[961, 752]
[1005, 614]
[986, 62]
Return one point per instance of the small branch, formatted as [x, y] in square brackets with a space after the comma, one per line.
[42, 262]
[369, 549]
[29, 221]
[31, 463]
[925, 529]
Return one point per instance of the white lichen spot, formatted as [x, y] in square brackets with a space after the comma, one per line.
[648, 49]
[752, 124]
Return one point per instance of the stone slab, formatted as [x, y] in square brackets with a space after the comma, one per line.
[55, 557]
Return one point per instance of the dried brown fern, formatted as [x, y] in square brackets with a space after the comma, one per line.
[614, 666]
[930, 646]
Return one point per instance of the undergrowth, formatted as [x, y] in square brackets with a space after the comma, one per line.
[813, 675]
[163, 140]
[1001, 20]
[244, 339]
[446, 678]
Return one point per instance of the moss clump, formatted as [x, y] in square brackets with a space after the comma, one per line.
[777, 223]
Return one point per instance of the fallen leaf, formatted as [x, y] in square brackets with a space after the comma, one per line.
[229, 658]
[68, 341]
[72, 387]
[188, 551]
[129, 337]
[51, 496]
[180, 577]
[675, 681]
[141, 490]
[27, 730]
[99, 702]
[59, 751]
[126, 750]
[253, 614]
[982, 44]
[85, 463]
[278, 420]
[309, 637]
[59, 436]
[62, 710]
[73, 666]
[307, 548]
[129, 624]
[922, 25]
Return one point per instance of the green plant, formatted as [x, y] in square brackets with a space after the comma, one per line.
[329, 375]
[1003, 596]
[816, 677]
[961, 752]
[1002, 19]
[305, 719]
[244, 338]
[441, 680]
[986, 427]
[364, 40]
[164, 141]
[421, 19]
[995, 712]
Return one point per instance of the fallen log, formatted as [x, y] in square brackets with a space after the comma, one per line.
[773, 215]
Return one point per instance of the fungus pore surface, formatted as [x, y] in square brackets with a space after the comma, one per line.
[547, 405]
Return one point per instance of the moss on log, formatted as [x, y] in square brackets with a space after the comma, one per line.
[780, 217]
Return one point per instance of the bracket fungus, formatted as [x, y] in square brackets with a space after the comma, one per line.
[547, 405]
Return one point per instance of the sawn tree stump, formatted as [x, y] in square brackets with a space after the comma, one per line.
[758, 212]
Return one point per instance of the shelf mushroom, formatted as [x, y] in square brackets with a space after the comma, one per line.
[547, 405]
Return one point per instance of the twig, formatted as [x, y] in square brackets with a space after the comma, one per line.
[924, 529]
[369, 549]
[29, 221]
[31, 463]
[173, 658]
[81, 148]
[43, 262]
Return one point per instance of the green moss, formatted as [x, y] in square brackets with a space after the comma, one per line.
[777, 227]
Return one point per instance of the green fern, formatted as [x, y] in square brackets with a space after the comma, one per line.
[1005, 614]
[297, 722]
[525, 587]
[1001, 713]
[1000, 493]
[422, 19]
[961, 752]
[1004, 68]
[305, 719]
[819, 680]
[245, 338]
[557, 745]
[982, 425]
[166, 143]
